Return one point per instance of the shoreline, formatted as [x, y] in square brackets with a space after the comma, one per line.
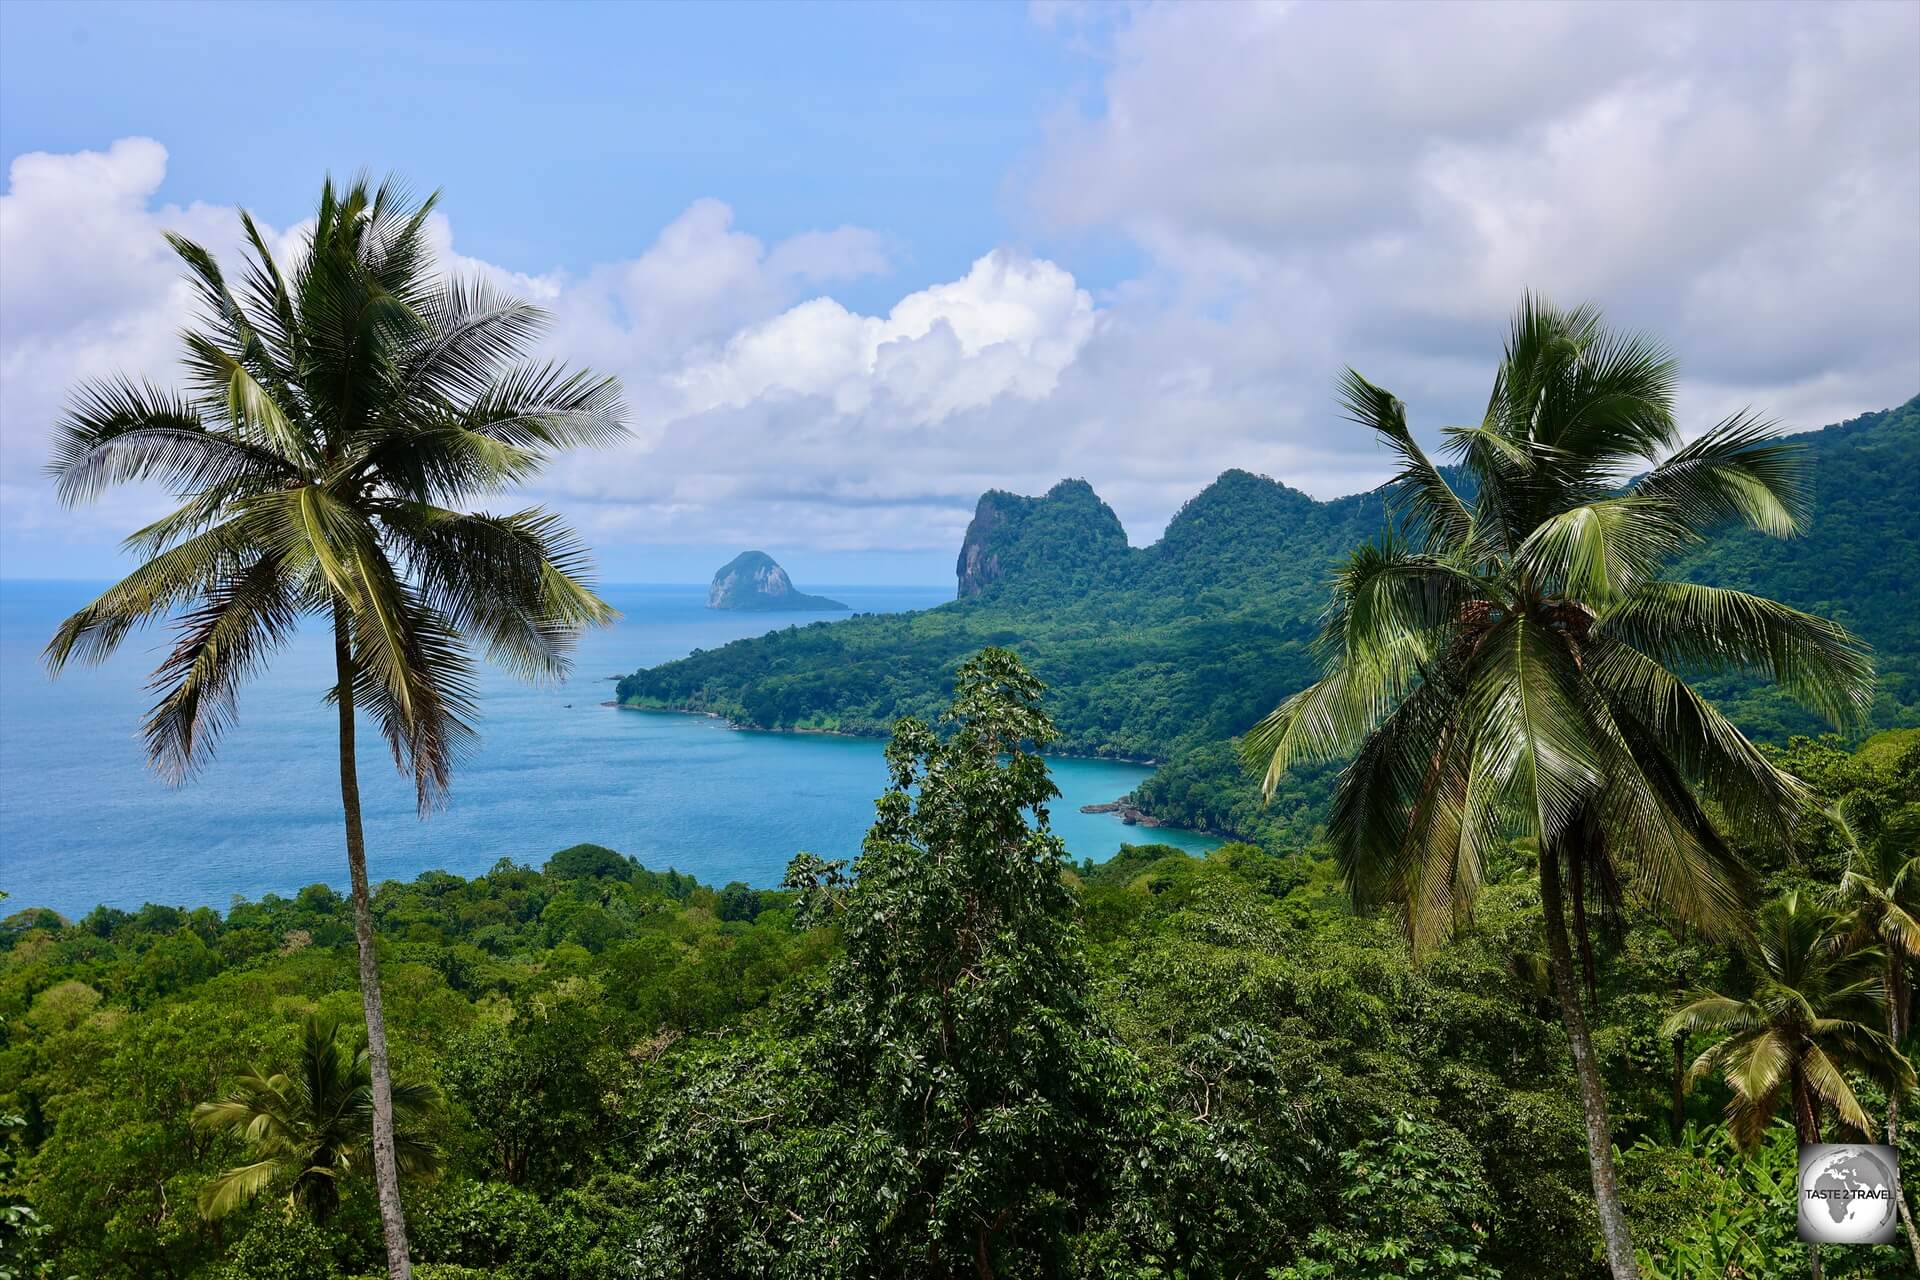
[1131, 815]
[874, 737]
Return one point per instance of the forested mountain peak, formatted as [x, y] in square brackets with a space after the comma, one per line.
[1248, 535]
[1243, 535]
[1236, 485]
[1068, 534]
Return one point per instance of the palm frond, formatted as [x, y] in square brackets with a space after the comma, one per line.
[1374, 796]
[257, 416]
[1462, 816]
[1758, 1066]
[1739, 471]
[1618, 405]
[414, 1099]
[1423, 496]
[269, 302]
[1830, 1083]
[418, 1158]
[412, 674]
[1329, 718]
[471, 331]
[1524, 689]
[1683, 624]
[1385, 595]
[1710, 1012]
[117, 431]
[157, 588]
[543, 407]
[518, 582]
[224, 640]
[439, 463]
[1597, 552]
[1677, 724]
[1655, 832]
[235, 1188]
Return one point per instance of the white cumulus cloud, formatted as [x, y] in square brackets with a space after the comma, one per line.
[1010, 326]
[1739, 178]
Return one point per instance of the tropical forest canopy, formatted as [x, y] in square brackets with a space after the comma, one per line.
[1197, 1067]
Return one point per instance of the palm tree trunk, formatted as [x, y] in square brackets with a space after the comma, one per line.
[1614, 1232]
[386, 1169]
[1679, 1084]
[1806, 1123]
[1806, 1120]
[1913, 1236]
[1896, 1027]
[1583, 941]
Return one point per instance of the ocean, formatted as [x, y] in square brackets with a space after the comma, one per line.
[83, 821]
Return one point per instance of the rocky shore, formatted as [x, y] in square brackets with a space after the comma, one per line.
[1130, 813]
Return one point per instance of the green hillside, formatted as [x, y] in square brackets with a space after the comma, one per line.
[1162, 653]
[1147, 650]
[1859, 565]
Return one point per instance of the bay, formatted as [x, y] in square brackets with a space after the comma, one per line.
[84, 821]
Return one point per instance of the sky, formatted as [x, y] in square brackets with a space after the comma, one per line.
[857, 264]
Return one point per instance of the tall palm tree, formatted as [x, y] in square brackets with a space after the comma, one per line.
[1505, 663]
[1880, 892]
[336, 415]
[1809, 1023]
[315, 1123]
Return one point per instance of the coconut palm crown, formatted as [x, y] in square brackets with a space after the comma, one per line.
[335, 415]
[1508, 661]
[1880, 891]
[313, 1125]
[1811, 1020]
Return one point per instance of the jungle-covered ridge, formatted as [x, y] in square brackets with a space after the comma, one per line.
[1165, 652]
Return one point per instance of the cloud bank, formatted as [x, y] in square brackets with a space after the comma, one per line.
[1306, 186]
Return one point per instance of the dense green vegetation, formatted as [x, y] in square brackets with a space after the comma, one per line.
[1158, 1065]
[1163, 652]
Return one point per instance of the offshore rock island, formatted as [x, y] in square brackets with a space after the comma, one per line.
[752, 582]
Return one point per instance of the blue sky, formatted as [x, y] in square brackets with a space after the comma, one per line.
[856, 264]
[561, 132]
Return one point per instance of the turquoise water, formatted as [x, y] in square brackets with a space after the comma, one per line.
[82, 821]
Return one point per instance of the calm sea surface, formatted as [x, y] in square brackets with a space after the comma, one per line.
[82, 820]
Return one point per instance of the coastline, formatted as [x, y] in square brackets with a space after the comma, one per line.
[1130, 814]
[1144, 763]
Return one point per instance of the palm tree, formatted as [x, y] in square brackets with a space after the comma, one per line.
[1502, 664]
[1881, 892]
[315, 1123]
[1807, 1026]
[336, 416]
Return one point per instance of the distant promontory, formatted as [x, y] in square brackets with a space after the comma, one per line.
[753, 582]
